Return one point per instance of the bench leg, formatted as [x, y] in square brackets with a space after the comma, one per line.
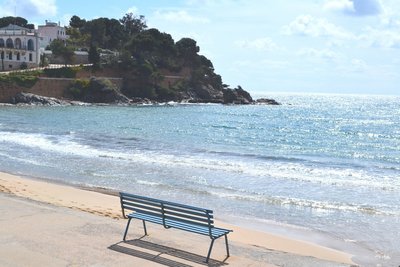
[126, 229]
[209, 250]
[144, 227]
[227, 247]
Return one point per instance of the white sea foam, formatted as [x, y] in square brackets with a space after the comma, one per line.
[316, 206]
[59, 144]
[342, 177]
[25, 160]
[144, 182]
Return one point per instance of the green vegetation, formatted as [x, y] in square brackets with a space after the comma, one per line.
[79, 88]
[145, 58]
[64, 72]
[142, 55]
[5, 21]
[93, 90]
[24, 79]
[59, 49]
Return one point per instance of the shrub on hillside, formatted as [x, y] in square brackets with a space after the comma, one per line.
[64, 72]
[27, 79]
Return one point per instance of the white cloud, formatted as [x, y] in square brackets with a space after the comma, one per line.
[344, 6]
[134, 10]
[260, 65]
[31, 8]
[390, 20]
[315, 27]
[65, 19]
[355, 7]
[181, 16]
[381, 38]
[358, 64]
[355, 65]
[320, 53]
[275, 64]
[265, 44]
[213, 3]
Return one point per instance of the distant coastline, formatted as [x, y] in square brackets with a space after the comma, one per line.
[106, 86]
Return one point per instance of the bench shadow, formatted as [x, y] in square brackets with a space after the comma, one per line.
[128, 247]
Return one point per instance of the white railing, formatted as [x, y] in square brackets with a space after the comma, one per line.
[50, 66]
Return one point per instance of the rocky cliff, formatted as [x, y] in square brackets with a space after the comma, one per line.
[125, 89]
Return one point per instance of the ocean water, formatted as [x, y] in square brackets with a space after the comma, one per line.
[327, 166]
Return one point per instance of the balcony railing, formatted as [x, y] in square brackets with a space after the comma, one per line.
[14, 49]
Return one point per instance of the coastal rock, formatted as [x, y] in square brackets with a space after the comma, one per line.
[140, 101]
[103, 91]
[237, 96]
[266, 101]
[32, 99]
[206, 94]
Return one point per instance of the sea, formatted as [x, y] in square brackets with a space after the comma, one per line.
[322, 168]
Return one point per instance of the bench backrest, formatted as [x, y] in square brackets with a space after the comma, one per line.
[167, 210]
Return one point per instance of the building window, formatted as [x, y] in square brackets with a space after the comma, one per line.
[10, 56]
[1, 42]
[31, 47]
[30, 56]
[18, 43]
[18, 56]
[9, 43]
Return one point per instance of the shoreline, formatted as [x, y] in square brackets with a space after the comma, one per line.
[104, 203]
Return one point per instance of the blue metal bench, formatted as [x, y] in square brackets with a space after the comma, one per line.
[172, 215]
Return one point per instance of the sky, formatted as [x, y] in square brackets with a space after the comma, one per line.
[315, 46]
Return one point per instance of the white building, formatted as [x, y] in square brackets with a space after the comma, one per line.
[21, 46]
[18, 46]
[50, 32]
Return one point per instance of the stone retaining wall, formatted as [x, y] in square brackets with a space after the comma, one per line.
[50, 87]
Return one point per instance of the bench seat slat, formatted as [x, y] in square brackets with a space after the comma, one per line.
[148, 213]
[141, 201]
[146, 217]
[143, 207]
[216, 232]
[153, 200]
[185, 221]
[187, 211]
[204, 230]
[202, 218]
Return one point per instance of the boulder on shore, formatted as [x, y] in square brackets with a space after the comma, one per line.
[237, 96]
[32, 99]
[266, 101]
[101, 90]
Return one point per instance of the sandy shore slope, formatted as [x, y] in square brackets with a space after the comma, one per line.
[42, 224]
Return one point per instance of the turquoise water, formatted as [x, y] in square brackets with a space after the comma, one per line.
[326, 163]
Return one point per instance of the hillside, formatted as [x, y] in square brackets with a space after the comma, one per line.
[150, 63]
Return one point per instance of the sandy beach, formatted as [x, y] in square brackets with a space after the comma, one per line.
[50, 224]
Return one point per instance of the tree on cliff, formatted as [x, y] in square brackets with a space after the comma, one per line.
[133, 25]
[60, 49]
[94, 56]
[187, 49]
[152, 46]
[104, 32]
[76, 22]
[5, 21]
